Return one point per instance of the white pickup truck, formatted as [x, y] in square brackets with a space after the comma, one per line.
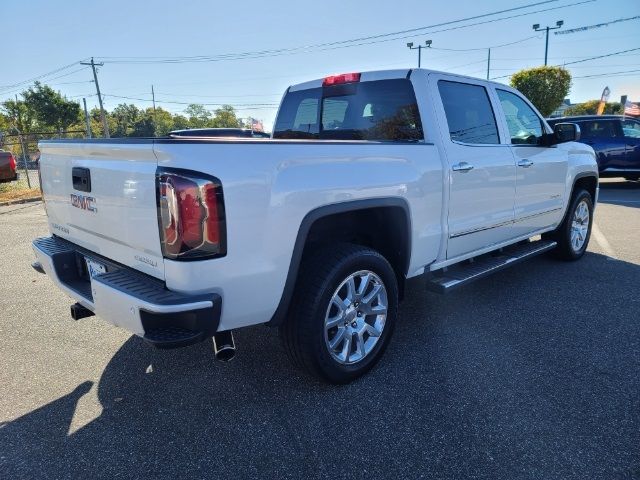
[369, 179]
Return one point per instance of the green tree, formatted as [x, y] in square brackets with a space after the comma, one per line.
[180, 122]
[163, 120]
[590, 107]
[225, 117]
[51, 109]
[199, 116]
[546, 86]
[19, 115]
[123, 119]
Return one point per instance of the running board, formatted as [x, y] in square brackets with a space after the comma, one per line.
[448, 279]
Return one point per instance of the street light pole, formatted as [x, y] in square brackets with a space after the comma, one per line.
[546, 29]
[427, 44]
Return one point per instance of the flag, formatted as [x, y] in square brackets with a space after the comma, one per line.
[603, 100]
[631, 108]
[256, 125]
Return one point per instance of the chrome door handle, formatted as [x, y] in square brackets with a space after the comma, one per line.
[462, 167]
[525, 163]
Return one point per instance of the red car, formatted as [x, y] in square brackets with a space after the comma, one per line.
[7, 167]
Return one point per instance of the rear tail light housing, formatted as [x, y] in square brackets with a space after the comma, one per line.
[12, 162]
[190, 215]
[340, 79]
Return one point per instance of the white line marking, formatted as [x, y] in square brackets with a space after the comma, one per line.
[603, 242]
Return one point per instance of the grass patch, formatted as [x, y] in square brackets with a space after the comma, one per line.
[17, 191]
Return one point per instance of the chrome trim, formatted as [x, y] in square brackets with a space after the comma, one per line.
[502, 224]
[480, 229]
[490, 248]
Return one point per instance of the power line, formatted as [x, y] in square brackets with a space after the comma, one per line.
[597, 25]
[603, 56]
[237, 106]
[610, 74]
[53, 72]
[584, 60]
[331, 45]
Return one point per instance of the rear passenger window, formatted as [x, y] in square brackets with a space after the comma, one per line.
[469, 113]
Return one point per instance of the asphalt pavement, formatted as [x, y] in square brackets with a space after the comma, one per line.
[533, 373]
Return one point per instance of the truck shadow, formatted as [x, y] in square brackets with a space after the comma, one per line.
[519, 373]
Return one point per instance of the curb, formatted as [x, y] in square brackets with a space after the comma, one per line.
[21, 200]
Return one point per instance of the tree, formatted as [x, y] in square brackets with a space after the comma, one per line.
[180, 122]
[225, 117]
[590, 107]
[19, 115]
[199, 116]
[50, 108]
[124, 118]
[546, 86]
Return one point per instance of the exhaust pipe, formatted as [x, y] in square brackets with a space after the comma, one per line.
[223, 346]
[78, 311]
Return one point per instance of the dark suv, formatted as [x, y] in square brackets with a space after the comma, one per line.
[615, 139]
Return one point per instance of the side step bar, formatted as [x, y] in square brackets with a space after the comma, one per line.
[446, 280]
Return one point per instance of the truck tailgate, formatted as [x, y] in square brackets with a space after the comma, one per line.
[110, 208]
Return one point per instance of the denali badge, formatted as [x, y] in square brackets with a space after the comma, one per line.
[84, 203]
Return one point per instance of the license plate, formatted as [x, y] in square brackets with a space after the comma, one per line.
[94, 268]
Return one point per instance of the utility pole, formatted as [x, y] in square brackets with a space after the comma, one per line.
[488, 62]
[86, 117]
[105, 125]
[427, 44]
[153, 96]
[537, 28]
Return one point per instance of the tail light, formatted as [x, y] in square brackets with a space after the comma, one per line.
[12, 162]
[190, 215]
[339, 79]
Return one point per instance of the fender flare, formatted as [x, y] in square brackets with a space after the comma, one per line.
[303, 232]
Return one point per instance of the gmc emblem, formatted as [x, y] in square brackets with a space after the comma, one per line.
[84, 203]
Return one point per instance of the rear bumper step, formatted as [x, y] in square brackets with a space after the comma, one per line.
[129, 299]
[458, 275]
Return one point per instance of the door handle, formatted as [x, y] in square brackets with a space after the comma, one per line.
[462, 167]
[525, 163]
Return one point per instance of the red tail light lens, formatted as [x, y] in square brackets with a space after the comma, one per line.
[342, 78]
[12, 162]
[190, 215]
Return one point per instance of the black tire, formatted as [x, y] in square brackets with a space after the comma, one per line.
[562, 234]
[303, 331]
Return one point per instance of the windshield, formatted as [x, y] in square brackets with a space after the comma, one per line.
[382, 110]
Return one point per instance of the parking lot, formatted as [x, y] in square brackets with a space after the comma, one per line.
[531, 373]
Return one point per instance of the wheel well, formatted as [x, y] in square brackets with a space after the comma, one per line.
[589, 183]
[384, 229]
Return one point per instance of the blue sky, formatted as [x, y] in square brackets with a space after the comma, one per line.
[57, 34]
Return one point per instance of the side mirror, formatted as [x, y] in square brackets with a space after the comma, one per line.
[566, 132]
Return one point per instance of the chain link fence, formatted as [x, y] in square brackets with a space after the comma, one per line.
[27, 156]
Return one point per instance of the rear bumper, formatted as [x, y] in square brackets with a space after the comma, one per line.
[126, 298]
[5, 178]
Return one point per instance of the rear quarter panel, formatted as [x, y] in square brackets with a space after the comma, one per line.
[269, 187]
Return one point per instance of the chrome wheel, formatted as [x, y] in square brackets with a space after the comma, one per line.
[580, 226]
[355, 317]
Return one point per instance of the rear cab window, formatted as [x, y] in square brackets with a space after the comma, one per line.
[379, 110]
